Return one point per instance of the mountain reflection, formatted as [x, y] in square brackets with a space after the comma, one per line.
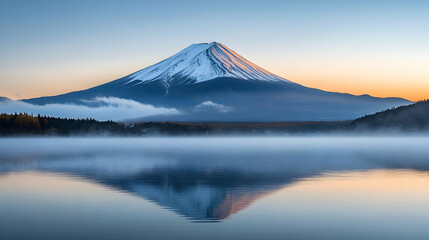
[210, 183]
[200, 194]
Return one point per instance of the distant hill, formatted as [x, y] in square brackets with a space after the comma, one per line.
[407, 118]
[4, 99]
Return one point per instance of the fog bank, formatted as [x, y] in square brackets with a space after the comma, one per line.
[101, 108]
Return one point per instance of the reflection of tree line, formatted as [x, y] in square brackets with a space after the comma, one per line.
[412, 117]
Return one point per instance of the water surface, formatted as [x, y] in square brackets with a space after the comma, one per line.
[212, 188]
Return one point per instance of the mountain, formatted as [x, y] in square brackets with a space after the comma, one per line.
[411, 117]
[210, 82]
[5, 99]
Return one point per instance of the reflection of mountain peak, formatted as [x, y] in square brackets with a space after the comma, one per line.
[200, 196]
[233, 203]
[203, 203]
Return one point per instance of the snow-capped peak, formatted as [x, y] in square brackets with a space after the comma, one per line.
[203, 62]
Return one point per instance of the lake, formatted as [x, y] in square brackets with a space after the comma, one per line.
[321, 187]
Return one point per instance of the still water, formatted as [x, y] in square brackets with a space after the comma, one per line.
[215, 188]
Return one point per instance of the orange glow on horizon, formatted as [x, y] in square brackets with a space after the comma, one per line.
[409, 92]
[328, 78]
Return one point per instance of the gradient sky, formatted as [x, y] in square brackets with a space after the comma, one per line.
[371, 47]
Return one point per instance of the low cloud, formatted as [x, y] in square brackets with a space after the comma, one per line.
[102, 108]
[210, 106]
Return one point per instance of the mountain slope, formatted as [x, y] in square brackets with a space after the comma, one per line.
[210, 82]
[4, 99]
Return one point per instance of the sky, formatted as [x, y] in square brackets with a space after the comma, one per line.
[371, 47]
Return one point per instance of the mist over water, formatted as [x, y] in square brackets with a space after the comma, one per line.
[325, 187]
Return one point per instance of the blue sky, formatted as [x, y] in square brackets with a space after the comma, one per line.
[376, 47]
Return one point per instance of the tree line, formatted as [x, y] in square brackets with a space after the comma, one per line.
[27, 124]
[413, 117]
[23, 123]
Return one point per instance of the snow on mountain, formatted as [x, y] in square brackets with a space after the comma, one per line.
[203, 62]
